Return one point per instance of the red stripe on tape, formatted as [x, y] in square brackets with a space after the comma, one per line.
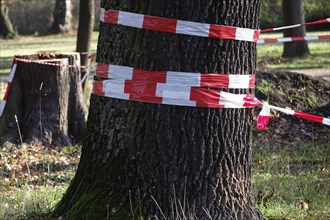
[324, 37]
[111, 16]
[252, 81]
[270, 40]
[251, 101]
[298, 38]
[256, 35]
[149, 76]
[205, 97]
[5, 97]
[98, 88]
[102, 70]
[159, 24]
[223, 32]
[215, 80]
[310, 117]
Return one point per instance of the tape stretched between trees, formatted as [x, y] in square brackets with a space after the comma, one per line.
[169, 25]
[53, 64]
[292, 39]
[264, 116]
[9, 81]
[327, 20]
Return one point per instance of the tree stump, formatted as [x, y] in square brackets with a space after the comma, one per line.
[47, 101]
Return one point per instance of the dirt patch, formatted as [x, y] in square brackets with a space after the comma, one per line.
[299, 92]
[316, 73]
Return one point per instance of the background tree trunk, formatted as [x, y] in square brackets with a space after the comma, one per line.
[47, 100]
[293, 13]
[6, 28]
[188, 160]
[62, 17]
[85, 30]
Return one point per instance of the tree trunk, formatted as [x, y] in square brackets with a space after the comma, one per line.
[47, 101]
[147, 160]
[85, 30]
[6, 30]
[293, 13]
[62, 17]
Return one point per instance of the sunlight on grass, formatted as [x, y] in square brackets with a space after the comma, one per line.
[34, 179]
[26, 203]
[270, 55]
[23, 45]
[284, 178]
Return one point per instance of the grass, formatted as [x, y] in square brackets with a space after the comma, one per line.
[23, 45]
[270, 55]
[284, 174]
[34, 179]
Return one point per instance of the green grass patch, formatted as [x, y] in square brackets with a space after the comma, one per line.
[34, 178]
[286, 176]
[25, 45]
[30, 203]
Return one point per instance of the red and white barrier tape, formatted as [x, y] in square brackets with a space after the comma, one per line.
[183, 89]
[175, 78]
[292, 39]
[52, 64]
[88, 70]
[162, 93]
[87, 53]
[176, 88]
[162, 24]
[9, 80]
[169, 94]
[264, 115]
[327, 20]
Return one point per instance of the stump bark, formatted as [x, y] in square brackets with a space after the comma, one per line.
[47, 100]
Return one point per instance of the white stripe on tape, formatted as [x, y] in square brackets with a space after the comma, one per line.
[130, 19]
[192, 28]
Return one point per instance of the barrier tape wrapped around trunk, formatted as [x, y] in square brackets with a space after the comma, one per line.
[175, 88]
[233, 81]
[184, 89]
[169, 25]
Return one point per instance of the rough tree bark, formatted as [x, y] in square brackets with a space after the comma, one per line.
[85, 29]
[137, 156]
[47, 101]
[293, 13]
[62, 14]
[6, 28]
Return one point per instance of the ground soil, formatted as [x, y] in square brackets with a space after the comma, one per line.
[300, 92]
